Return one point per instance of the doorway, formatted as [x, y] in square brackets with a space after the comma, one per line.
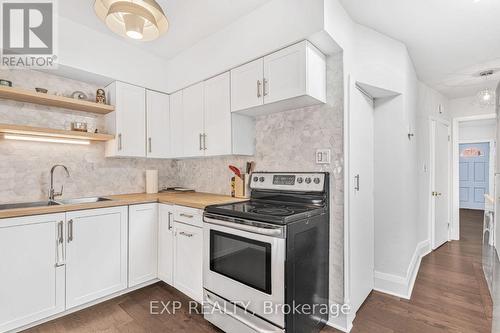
[474, 174]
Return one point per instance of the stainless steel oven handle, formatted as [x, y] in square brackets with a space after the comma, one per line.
[245, 322]
[262, 231]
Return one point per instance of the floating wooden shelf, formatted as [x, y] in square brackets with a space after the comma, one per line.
[53, 133]
[23, 95]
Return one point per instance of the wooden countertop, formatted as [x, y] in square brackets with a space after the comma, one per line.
[189, 199]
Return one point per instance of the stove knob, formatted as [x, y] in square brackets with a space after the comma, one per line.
[255, 179]
[300, 180]
[261, 179]
[308, 180]
[316, 180]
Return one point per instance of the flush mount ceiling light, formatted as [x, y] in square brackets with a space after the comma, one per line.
[136, 19]
[486, 96]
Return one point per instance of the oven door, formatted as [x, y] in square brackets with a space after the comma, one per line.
[246, 267]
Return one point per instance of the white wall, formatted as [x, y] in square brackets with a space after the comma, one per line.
[87, 50]
[477, 130]
[468, 106]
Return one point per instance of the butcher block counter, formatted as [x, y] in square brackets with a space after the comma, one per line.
[189, 199]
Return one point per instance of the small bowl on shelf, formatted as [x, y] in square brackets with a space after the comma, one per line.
[41, 90]
[79, 126]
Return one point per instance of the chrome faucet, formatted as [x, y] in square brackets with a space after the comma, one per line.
[53, 194]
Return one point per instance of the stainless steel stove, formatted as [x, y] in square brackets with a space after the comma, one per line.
[267, 253]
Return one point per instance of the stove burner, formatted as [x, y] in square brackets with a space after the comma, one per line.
[276, 211]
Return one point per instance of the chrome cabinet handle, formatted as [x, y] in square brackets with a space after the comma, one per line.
[356, 187]
[170, 221]
[186, 215]
[266, 88]
[205, 141]
[149, 145]
[70, 230]
[259, 95]
[200, 141]
[59, 245]
[185, 234]
[119, 141]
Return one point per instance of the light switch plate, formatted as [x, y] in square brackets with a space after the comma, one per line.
[323, 156]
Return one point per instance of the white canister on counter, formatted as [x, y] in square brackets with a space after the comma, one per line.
[151, 181]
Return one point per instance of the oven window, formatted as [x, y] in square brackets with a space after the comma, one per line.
[242, 259]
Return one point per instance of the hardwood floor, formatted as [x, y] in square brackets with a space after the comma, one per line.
[450, 295]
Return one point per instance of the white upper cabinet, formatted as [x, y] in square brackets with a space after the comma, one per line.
[192, 106]
[247, 84]
[128, 121]
[217, 115]
[291, 78]
[176, 125]
[31, 269]
[158, 125]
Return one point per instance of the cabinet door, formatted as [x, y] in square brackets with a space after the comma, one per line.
[31, 269]
[285, 73]
[188, 260]
[192, 105]
[96, 262]
[142, 243]
[166, 243]
[128, 121]
[217, 140]
[247, 85]
[158, 124]
[176, 125]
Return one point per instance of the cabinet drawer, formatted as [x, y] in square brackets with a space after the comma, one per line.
[188, 215]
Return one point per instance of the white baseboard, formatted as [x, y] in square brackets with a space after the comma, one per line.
[342, 322]
[402, 286]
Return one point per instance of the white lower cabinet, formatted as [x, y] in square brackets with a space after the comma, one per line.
[31, 270]
[188, 260]
[166, 243]
[142, 243]
[96, 254]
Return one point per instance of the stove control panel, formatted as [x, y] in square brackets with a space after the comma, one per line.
[284, 181]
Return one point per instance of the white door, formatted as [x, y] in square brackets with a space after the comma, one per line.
[176, 125]
[188, 260]
[285, 73]
[142, 243]
[166, 243]
[217, 140]
[96, 262]
[158, 124]
[31, 269]
[361, 199]
[440, 183]
[192, 105]
[130, 105]
[247, 85]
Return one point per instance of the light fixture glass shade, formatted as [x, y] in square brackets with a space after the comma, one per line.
[137, 19]
[486, 97]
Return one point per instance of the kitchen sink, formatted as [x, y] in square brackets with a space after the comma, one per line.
[29, 205]
[82, 200]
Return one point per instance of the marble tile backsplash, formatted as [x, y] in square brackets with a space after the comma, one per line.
[287, 141]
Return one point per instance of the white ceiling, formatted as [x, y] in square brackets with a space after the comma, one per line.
[190, 20]
[449, 41]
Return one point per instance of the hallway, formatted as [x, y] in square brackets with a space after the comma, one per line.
[450, 293]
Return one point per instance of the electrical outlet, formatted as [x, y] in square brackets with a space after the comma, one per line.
[323, 156]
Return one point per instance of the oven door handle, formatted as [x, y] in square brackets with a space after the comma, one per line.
[245, 322]
[275, 232]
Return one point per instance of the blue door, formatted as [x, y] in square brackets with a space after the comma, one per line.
[474, 174]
